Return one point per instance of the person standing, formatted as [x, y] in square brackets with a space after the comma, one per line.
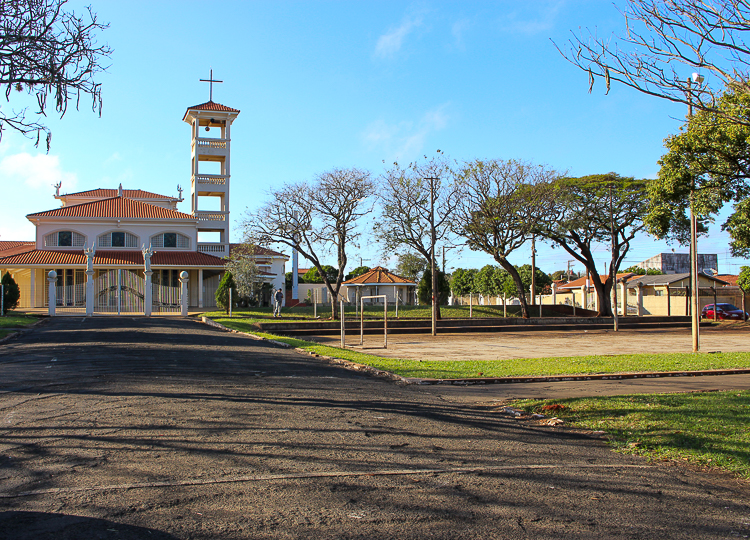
[278, 299]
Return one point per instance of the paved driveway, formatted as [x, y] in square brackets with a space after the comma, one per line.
[161, 428]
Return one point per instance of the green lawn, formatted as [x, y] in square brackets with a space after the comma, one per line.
[705, 428]
[426, 369]
[16, 321]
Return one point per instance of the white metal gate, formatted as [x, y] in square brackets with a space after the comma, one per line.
[119, 291]
[165, 299]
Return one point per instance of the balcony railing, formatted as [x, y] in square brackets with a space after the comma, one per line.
[211, 143]
[219, 250]
[212, 179]
[211, 216]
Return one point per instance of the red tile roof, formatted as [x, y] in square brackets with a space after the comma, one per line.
[729, 278]
[104, 258]
[116, 207]
[13, 247]
[378, 275]
[212, 106]
[257, 251]
[106, 193]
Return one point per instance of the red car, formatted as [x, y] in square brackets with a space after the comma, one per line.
[723, 311]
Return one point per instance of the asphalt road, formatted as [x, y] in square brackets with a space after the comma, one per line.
[166, 428]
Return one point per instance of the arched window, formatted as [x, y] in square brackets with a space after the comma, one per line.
[64, 239]
[170, 240]
[117, 239]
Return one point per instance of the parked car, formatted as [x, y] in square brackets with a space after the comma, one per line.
[723, 311]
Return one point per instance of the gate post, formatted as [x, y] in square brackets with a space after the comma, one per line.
[90, 279]
[640, 299]
[52, 278]
[184, 293]
[147, 299]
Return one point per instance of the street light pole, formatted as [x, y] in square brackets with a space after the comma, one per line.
[694, 283]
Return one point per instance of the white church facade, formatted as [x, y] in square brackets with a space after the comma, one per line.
[114, 243]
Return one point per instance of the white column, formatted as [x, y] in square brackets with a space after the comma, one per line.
[584, 297]
[184, 293]
[32, 288]
[148, 301]
[624, 296]
[52, 278]
[89, 293]
[554, 295]
[200, 287]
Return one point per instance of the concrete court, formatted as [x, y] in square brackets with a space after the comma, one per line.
[165, 428]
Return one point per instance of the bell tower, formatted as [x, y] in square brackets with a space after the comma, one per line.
[210, 124]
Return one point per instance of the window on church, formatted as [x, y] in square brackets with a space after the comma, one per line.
[64, 239]
[118, 239]
[170, 240]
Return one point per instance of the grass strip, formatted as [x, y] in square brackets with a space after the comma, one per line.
[515, 367]
[371, 312]
[703, 428]
[16, 321]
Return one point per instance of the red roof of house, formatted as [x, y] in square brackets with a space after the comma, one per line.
[212, 106]
[13, 247]
[106, 193]
[257, 251]
[116, 207]
[378, 275]
[103, 258]
[729, 278]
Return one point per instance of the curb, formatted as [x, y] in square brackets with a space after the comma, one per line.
[19, 331]
[353, 366]
[591, 377]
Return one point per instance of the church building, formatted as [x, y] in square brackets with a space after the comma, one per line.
[124, 240]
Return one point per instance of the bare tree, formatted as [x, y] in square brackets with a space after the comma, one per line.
[47, 51]
[315, 218]
[247, 275]
[663, 36]
[418, 204]
[498, 199]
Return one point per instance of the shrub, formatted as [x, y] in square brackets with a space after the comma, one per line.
[11, 293]
[222, 293]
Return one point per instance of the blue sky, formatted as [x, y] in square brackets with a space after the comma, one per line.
[339, 84]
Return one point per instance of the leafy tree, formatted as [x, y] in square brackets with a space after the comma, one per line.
[288, 280]
[496, 204]
[586, 212]
[245, 273]
[743, 281]
[313, 275]
[410, 266]
[222, 293]
[358, 272]
[418, 210]
[11, 293]
[637, 270]
[563, 274]
[462, 281]
[542, 281]
[48, 51]
[490, 280]
[663, 42]
[709, 162]
[424, 289]
[316, 218]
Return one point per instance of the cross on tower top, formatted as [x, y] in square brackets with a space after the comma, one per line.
[211, 82]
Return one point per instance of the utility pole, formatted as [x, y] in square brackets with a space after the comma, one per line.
[569, 274]
[533, 270]
[433, 264]
[612, 266]
[443, 259]
[694, 283]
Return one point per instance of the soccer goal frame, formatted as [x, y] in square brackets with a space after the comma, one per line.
[362, 319]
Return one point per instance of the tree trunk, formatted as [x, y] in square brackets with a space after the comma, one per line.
[519, 284]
